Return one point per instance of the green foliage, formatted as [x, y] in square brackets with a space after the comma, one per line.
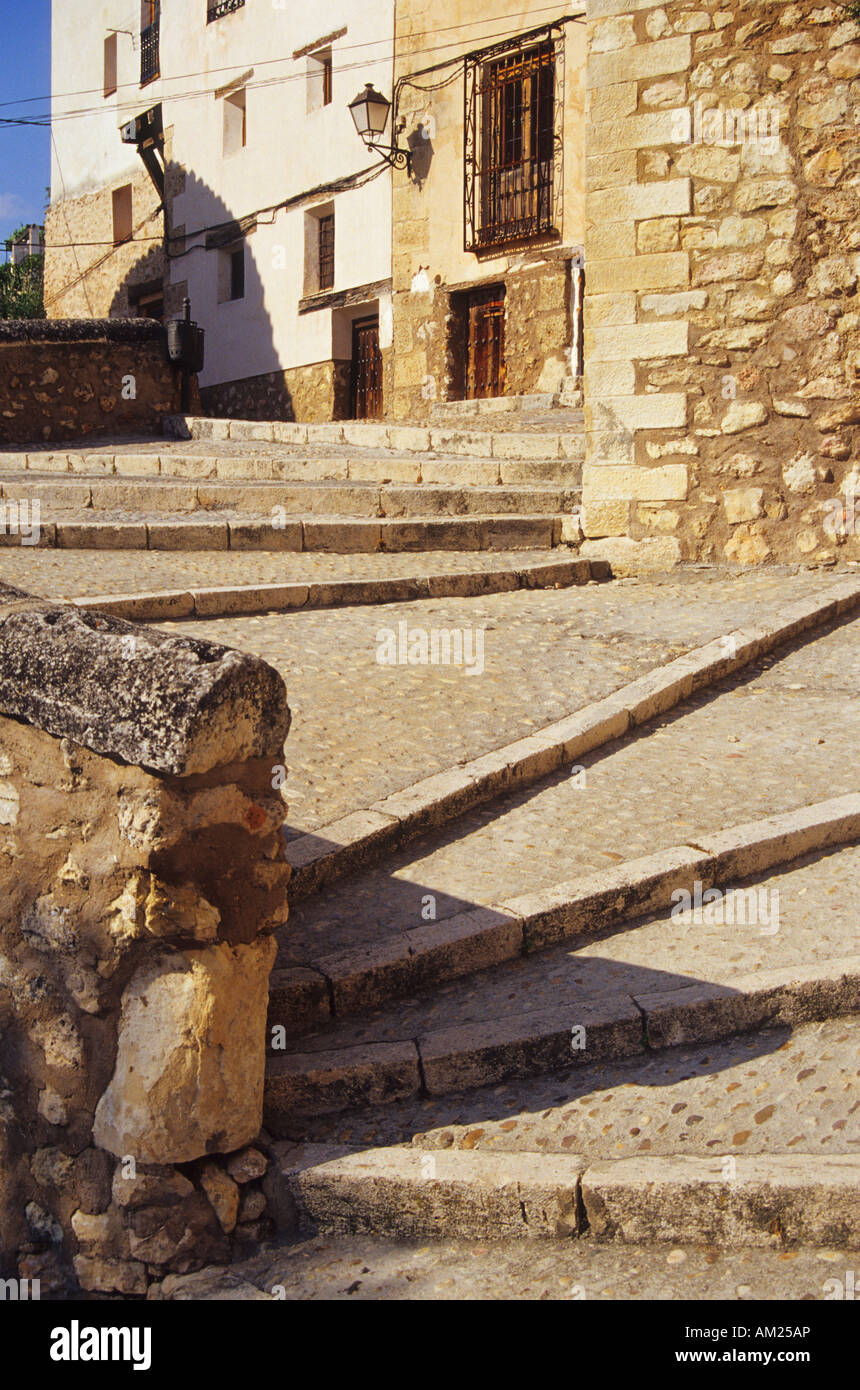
[21, 289]
[853, 8]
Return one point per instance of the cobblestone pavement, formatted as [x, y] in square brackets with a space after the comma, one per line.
[67, 574]
[362, 730]
[775, 1091]
[778, 738]
[362, 1268]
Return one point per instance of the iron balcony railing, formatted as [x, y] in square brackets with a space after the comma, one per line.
[149, 61]
[223, 7]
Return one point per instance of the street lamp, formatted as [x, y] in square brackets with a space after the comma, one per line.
[369, 111]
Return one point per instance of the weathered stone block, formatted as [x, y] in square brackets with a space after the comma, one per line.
[191, 1056]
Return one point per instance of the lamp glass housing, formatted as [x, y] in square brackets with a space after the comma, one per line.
[370, 113]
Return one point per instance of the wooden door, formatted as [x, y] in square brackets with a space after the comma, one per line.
[486, 369]
[366, 370]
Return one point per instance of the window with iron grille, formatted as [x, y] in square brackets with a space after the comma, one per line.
[326, 251]
[223, 7]
[513, 145]
[150, 26]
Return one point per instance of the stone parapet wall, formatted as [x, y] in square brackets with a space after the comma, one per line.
[70, 378]
[143, 876]
[722, 319]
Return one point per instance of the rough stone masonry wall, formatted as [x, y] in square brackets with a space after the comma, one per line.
[66, 379]
[86, 276]
[722, 308]
[316, 393]
[142, 876]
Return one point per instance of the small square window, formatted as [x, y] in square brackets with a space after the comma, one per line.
[110, 65]
[122, 214]
[235, 122]
[231, 274]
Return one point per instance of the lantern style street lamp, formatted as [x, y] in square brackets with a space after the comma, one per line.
[369, 111]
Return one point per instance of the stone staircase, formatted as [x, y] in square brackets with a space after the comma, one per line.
[445, 1074]
[346, 487]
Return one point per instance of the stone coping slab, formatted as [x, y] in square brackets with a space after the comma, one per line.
[175, 705]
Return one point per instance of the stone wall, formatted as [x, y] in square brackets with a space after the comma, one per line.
[317, 393]
[86, 275]
[142, 878]
[66, 379]
[722, 313]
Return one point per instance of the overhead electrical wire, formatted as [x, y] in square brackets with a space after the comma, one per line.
[288, 58]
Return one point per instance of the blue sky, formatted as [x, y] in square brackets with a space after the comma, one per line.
[25, 71]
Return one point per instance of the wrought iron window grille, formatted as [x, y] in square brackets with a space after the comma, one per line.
[223, 7]
[513, 141]
[150, 66]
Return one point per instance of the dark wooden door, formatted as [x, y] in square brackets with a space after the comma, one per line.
[486, 371]
[366, 370]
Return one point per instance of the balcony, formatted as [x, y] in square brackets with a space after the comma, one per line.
[149, 61]
[223, 7]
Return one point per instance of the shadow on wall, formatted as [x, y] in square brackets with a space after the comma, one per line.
[211, 260]
[421, 146]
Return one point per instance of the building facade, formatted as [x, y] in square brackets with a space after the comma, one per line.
[276, 219]
[489, 221]
[700, 156]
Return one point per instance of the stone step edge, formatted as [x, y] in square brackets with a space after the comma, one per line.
[347, 982]
[459, 1058]
[342, 535]
[404, 438]
[284, 469]
[770, 1200]
[279, 598]
[362, 837]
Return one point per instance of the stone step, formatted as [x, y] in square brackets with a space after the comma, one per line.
[383, 826]
[665, 1146]
[154, 495]
[301, 467]
[668, 982]
[533, 441]
[768, 1200]
[493, 405]
[223, 600]
[368, 976]
[90, 529]
[498, 411]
